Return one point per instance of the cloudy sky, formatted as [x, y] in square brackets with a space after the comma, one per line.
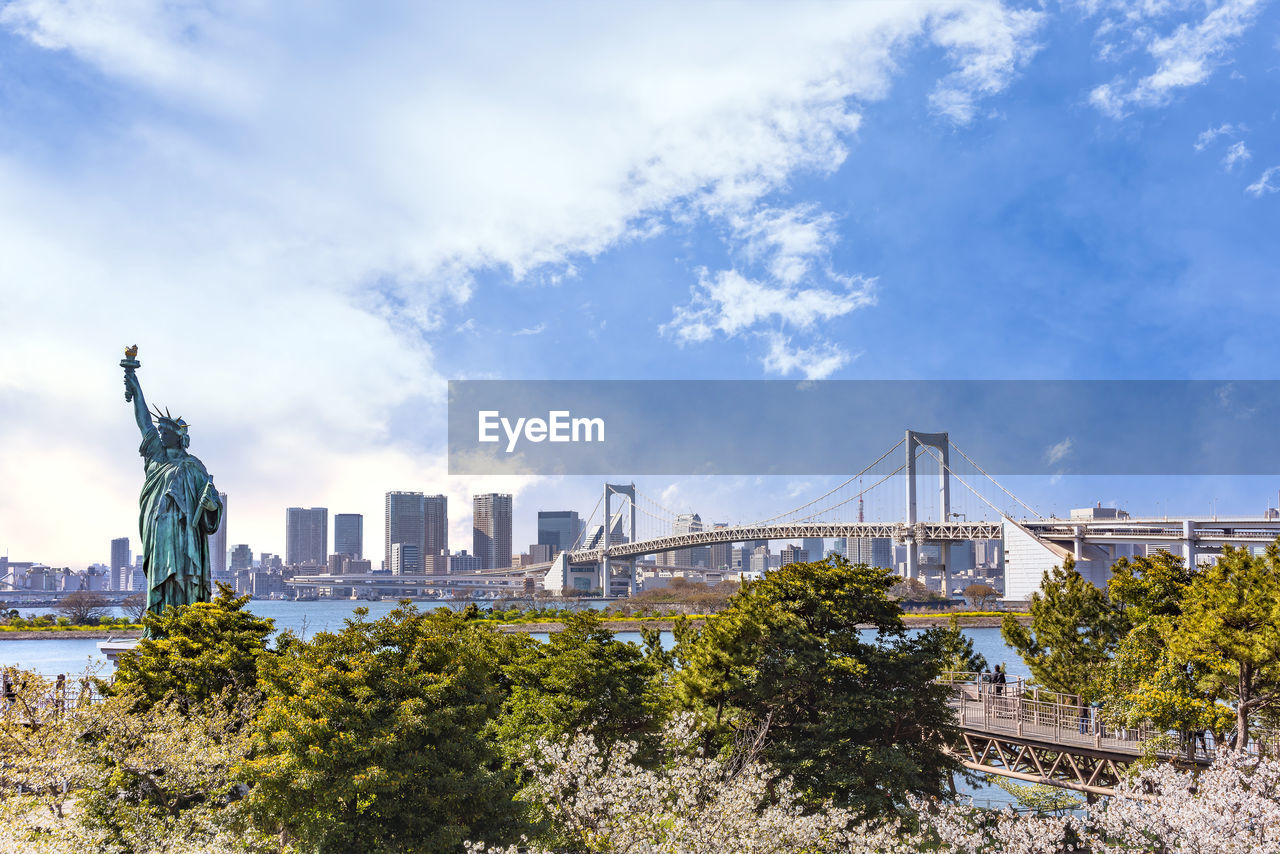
[310, 216]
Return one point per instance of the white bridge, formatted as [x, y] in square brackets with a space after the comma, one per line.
[605, 557]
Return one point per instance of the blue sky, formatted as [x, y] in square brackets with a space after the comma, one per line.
[310, 216]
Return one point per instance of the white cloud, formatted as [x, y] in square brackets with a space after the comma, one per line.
[1208, 136]
[1056, 453]
[1237, 153]
[281, 202]
[816, 362]
[1264, 183]
[727, 302]
[531, 330]
[988, 46]
[1185, 57]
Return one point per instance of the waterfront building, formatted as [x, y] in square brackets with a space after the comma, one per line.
[559, 529]
[491, 529]
[406, 522]
[406, 559]
[721, 554]
[306, 536]
[435, 540]
[241, 557]
[463, 562]
[792, 553]
[348, 534]
[121, 563]
[218, 544]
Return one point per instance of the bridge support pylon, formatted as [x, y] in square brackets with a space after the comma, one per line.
[628, 491]
[914, 441]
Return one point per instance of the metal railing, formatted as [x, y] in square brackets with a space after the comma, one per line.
[1067, 719]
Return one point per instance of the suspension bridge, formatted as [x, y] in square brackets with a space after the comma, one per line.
[924, 493]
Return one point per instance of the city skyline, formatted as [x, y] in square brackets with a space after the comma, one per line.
[885, 191]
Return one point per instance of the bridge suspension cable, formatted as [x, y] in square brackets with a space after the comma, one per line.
[851, 497]
[1025, 505]
[837, 488]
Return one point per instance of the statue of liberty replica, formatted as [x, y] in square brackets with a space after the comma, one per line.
[179, 505]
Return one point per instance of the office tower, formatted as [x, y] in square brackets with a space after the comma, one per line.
[721, 554]
[792, 553]
[348, 534]
[840, 546]
[405, 559]
[759, 560]
[463, 562]
[436, 539]
[491, 529]
[406, 522]
[241, 558]
[688, 523]
[814, 546]
[120, 564]
[306, 536]
[960, 557]
[882, 552]
[559, 529]
[541, 553]
[218, 543]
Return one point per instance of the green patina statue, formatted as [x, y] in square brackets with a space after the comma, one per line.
[180, 506]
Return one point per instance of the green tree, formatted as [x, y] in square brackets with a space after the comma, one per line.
[855, 718]
[581, 679]
[196, 653]
[1073, 631]
[1145, 680]
[1230, 628]
[958, 654]
[374, 738]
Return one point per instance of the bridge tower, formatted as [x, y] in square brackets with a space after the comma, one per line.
[627, 491]
[942, 443]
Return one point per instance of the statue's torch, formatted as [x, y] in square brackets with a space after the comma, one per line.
[130, 364]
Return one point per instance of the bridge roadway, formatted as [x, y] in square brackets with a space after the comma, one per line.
[1204, 534]
[898, 531]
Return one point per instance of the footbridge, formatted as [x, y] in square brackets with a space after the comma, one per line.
[1060, 740]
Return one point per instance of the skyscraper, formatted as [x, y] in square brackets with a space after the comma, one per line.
[348, 534]
[405, 559]
[306, 535]
[721, 553]
[121, 564]
[218, 543]
[491, 529]
[813, 546]
[436, 539]
[688, 523]
[241, 557]
[406, 522]
[559, 529]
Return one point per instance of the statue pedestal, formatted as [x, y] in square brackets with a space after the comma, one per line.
[113, 649]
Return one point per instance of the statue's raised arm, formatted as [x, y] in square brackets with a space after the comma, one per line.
[133, 390]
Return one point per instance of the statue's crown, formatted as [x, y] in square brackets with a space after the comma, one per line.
[176, 424]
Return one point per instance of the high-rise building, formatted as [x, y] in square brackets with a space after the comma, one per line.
[218, 543]
[241, 557]
[688, 523]
[436, 539]
[873, 551]
[792, 553]
[491, 529]
[306, 537]
[541, 553]
[814, 547]
[559, 529]
[721, 553]
[121, 564]
[406, 522]
[405, 559]
[348, 534]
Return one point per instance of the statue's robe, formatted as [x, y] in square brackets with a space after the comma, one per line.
[175, 528]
